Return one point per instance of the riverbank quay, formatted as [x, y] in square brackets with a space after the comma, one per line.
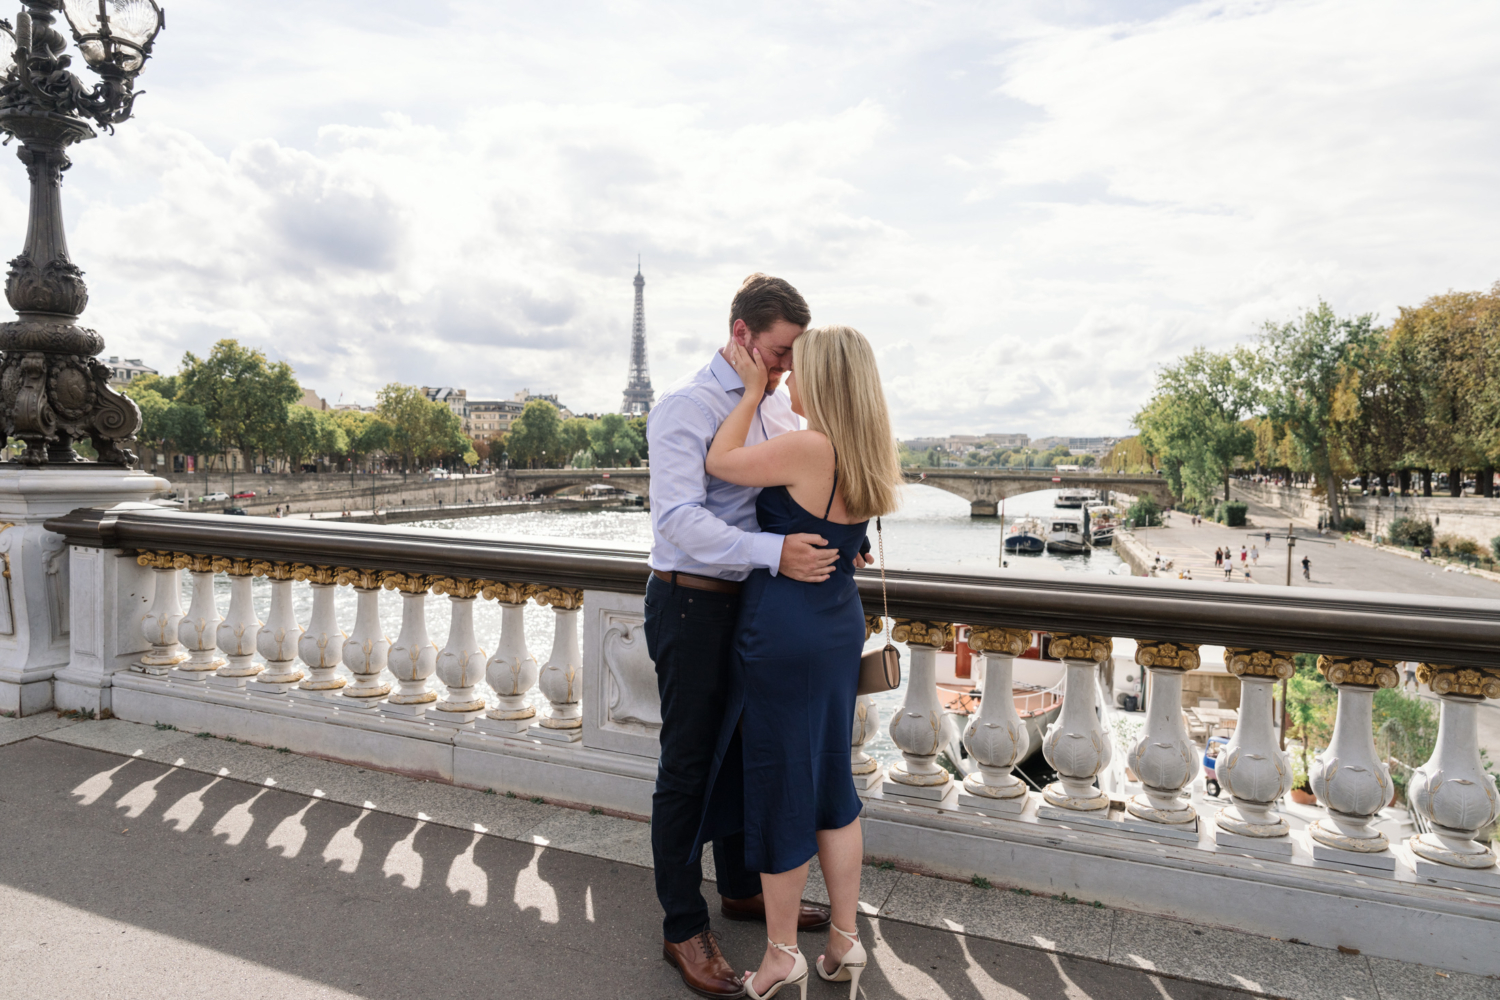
[1335, 562]
[234, 849]
[1472, 517]
[390, 492]
[407, 513]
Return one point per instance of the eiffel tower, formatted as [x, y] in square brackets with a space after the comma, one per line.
[638, 392]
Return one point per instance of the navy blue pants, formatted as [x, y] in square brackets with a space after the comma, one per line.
[690, 634]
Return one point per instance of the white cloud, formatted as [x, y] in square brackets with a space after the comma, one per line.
[1025, 210]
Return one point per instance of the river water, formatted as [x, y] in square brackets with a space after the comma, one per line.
[932, 531]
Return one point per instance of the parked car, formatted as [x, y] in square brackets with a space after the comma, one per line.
[167, 502]
[236, 510]
[437, 473]
[213, 498]
[246, 495]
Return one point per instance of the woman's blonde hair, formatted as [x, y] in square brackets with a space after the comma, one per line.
[841, 395]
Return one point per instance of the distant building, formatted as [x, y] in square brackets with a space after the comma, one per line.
[123, 372]
[1096, 446]
[312, 400]
[456, 400]
[490, 418]
[526, 395]
[1008, 441]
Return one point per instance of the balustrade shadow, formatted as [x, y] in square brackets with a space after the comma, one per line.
[379, 905]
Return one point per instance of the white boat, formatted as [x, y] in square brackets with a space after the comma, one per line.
[1100, 521]
[1072, 497]
[1065, 534]
[1036, 690]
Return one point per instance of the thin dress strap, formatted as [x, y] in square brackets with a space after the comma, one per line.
[835, 484]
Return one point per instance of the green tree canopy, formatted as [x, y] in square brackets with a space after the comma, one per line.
[244, 397]
[536, 437]
[1195, 421]
[614, 442]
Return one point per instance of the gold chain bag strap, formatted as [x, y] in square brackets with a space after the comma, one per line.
[880, 669]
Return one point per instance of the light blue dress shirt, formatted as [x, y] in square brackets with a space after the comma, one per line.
[700, 524]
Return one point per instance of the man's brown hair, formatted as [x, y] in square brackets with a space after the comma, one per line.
[762, 300]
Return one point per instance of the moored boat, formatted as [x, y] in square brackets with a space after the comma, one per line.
[1026, 535]
[1072, 497]
[1100, 521]
[1065, 534]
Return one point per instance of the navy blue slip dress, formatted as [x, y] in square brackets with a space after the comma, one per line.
[781, 768]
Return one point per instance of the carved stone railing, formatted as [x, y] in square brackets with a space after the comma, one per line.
[590, 710]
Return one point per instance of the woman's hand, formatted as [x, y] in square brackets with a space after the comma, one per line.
[751, 368]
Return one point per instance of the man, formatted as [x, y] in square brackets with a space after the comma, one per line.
[705, 542]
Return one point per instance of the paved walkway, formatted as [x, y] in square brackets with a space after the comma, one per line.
[1336, 564]
[146, 862]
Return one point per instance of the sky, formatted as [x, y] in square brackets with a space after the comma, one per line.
[1028, 207]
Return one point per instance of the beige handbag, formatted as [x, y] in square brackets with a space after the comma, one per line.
[880, 669]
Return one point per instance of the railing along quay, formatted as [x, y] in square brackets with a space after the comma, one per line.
[592, 738]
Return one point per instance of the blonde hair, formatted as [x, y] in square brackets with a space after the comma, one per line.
[841, 394]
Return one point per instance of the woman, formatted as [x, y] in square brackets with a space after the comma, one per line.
[785, 780]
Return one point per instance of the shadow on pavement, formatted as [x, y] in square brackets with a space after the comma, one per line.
[148, 880]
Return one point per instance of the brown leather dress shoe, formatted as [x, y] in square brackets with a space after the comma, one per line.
[809, 918]
[704, 969]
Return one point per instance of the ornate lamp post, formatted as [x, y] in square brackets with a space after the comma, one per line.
[53, 391]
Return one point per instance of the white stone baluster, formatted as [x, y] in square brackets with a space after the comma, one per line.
[1349, 778]
[561, 677]
[413, 657]
[278, 638]
[238, 632]
[864, 768]
[917, 728]
[1452, 790]
[322, 644]
[1164, 758]
[161, 622]
[460, 663]
[1253, 768]
[996, 737]
[1076, 745]
[367, 649]
[199, 630]
[512, 671]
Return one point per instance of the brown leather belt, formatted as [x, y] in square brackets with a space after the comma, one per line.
[698, 582]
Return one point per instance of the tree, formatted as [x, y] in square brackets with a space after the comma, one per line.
[1300, 365]
[405, 409]
[309, 433]
[638, 424]
[1195, 420]
[244, 397]
[535, 437]
[575, 435]
[168, 424]
[614, 442]
[364, 434]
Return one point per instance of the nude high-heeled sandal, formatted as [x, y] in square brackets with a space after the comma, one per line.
[851, 967]
[797, 977]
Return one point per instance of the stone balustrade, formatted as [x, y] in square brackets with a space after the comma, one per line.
[476, 706]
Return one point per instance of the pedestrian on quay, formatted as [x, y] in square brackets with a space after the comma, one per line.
[1255, 555]
[1218, 557]
[1228, 569]
[1243, 556]
[1306, 568]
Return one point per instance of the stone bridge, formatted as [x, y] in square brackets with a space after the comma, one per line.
[983, 488]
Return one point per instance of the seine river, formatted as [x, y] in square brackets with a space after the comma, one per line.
[931, 531]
